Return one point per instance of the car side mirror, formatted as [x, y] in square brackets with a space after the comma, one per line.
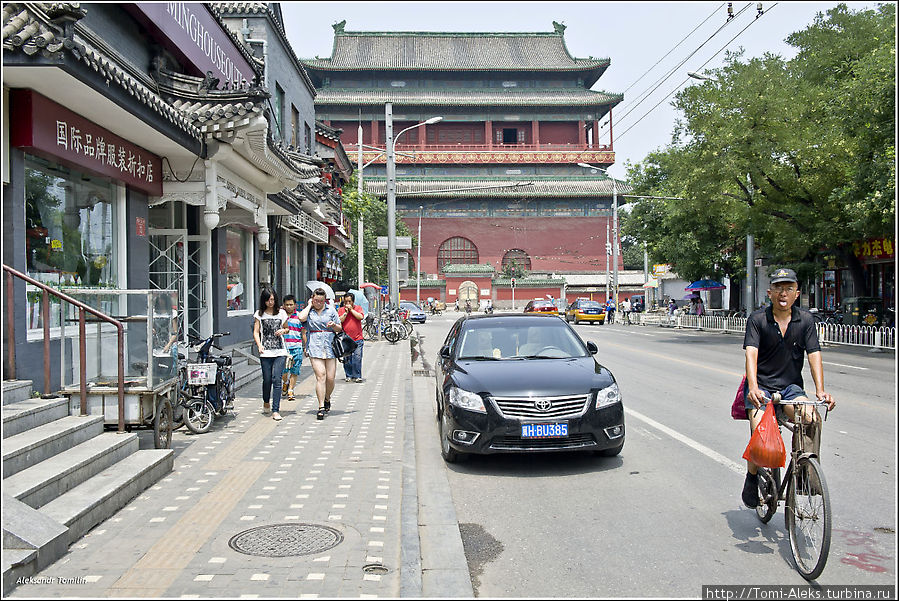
[591, 346]
[445, 352]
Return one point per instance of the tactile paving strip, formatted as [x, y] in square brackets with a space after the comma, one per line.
[286, 540]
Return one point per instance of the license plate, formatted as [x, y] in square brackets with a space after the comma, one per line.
[201, 374]
[559, 430]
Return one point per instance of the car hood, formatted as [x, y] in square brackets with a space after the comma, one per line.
[532, 377]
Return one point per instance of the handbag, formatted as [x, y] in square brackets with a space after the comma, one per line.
[342, 346]
[738, 409]
[766, 447]
[288, 363]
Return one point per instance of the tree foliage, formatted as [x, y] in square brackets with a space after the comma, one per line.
[798, 153]
[374, 214]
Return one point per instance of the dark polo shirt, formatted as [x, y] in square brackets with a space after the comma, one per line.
[781, 357]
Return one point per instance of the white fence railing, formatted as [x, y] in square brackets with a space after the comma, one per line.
[827, 333]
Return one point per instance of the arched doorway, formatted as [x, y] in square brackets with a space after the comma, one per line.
[468, 290]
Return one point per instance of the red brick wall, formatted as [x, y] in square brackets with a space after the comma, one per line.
[553, 243]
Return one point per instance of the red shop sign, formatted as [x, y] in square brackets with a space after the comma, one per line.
[874, 248]
[47, 127]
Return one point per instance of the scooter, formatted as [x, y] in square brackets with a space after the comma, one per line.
[488, 309]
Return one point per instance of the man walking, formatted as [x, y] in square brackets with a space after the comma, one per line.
[776, 339]
[351, 316]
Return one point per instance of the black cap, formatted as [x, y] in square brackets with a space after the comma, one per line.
[783, 275]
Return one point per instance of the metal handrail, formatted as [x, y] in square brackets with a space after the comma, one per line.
[82, 344]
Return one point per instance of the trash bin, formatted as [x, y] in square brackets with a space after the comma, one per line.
[863, 311]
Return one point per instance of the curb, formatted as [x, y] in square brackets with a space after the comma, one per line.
[443, 566]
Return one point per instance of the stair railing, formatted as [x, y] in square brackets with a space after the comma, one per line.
[82, 344]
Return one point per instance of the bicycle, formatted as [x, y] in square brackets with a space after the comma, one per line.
[209, 387]
[393, 327]
[807, 515]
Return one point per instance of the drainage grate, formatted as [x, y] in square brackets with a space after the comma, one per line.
[286, 540]
[422, 372]
[375, 568]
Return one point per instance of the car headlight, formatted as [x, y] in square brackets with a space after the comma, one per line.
[466, 400]
[608, 396]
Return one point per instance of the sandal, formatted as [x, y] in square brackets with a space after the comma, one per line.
[320, 414]
[327, 405]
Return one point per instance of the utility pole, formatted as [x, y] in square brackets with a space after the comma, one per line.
[392, 275]
[359, 223]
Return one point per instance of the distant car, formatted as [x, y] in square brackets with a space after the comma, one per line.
[638, 303]
[585, 310]
[416, 315]
[543, 307]
[499, 389]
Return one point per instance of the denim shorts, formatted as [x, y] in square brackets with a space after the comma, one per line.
[787, 394]
[297, 353]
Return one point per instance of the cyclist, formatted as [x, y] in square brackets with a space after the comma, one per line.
[776, 339]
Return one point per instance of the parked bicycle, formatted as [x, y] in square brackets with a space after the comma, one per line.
[807, 500]
[394, 329]
[207, 386]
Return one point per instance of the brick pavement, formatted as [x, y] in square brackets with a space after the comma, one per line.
[345, 472]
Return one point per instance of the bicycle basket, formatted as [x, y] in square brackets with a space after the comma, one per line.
[201, 374]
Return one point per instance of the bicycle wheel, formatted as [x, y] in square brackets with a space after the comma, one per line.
[767, 495]
[807, 518]
[392, 333]
[199, 415]
[407, 325]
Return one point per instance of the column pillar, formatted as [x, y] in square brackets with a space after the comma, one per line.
[581, 134]
[374, 132]
[535, 132]
[488, 134]
[596, 134]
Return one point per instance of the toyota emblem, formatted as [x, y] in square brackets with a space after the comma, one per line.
[543, 405]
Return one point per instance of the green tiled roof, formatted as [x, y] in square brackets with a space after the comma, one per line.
[470, 268]
[444, 51]
[466, 97]
[497, 186]
[425, 283]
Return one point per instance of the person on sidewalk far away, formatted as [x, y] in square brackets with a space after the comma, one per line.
[351, 316]
[269, 327]
[321, 322]
[293, 340]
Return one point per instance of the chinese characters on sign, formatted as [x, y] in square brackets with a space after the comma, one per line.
[877, 248]
[95, 147]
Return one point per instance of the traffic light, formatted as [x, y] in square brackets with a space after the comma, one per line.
[513, 282]
[608, 248]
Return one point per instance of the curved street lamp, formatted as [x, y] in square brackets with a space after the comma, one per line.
[392, 276]
[614, 226]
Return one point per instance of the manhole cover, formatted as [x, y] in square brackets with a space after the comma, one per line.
[375, 568]
[286, 540]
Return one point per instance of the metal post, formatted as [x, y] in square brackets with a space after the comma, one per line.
[82, 357]
[418, 261]
[45, 317]
[750, 274]
[392, 275]
[361, 270]
[10, 327]
[647, 304]
[615, 237]
[608, 265]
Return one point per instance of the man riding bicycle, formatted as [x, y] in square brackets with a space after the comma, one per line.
[776, 339]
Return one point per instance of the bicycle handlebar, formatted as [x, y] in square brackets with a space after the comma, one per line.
[776, 398]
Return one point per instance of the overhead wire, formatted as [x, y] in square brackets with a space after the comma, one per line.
[674, 69]
[680, 85]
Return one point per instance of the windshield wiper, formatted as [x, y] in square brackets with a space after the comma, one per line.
[535, 357]
[479, 359]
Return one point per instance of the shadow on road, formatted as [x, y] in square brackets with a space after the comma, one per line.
[536, 465]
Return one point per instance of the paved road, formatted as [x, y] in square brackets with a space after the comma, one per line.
[665, 517]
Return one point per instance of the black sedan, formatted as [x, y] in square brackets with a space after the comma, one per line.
[523, 383]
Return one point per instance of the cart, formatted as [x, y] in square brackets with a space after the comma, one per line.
[152, 326]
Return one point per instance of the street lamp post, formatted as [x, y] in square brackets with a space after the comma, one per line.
[359, 167]
[392, 275]
[614, 227]
[418, 261]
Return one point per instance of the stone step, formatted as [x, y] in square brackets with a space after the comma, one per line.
[92, 502]
[33, 446]
[31, 413]
[51, 478]
[15, 391]
[31, 541]
[247, 374]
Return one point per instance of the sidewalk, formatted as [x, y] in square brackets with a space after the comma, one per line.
[336, 503]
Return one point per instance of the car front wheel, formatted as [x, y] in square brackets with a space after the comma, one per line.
[613, 452]
[449, 454]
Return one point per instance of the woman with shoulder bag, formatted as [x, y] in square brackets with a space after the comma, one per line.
[321, 323]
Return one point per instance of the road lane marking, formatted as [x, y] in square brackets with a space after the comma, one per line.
[670, 359]
[714, 455]
[841, 365]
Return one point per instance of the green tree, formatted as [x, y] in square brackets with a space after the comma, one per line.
[374, 215]
[798, 153]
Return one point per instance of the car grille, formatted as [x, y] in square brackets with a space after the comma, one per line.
[575, 441]
[526, 408]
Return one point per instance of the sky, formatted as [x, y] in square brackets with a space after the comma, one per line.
[645, 41]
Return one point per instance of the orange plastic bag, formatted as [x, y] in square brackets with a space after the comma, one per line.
[766, 447]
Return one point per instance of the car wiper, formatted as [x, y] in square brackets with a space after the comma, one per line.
[534, 357]
[479, 359]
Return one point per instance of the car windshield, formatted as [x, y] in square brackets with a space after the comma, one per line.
[589, 305]
[523, 340]
[409, 305]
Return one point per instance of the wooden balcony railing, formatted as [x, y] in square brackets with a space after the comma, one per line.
[497, 147]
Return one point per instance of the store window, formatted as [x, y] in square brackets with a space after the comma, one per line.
[71, 232]
[237, 268]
